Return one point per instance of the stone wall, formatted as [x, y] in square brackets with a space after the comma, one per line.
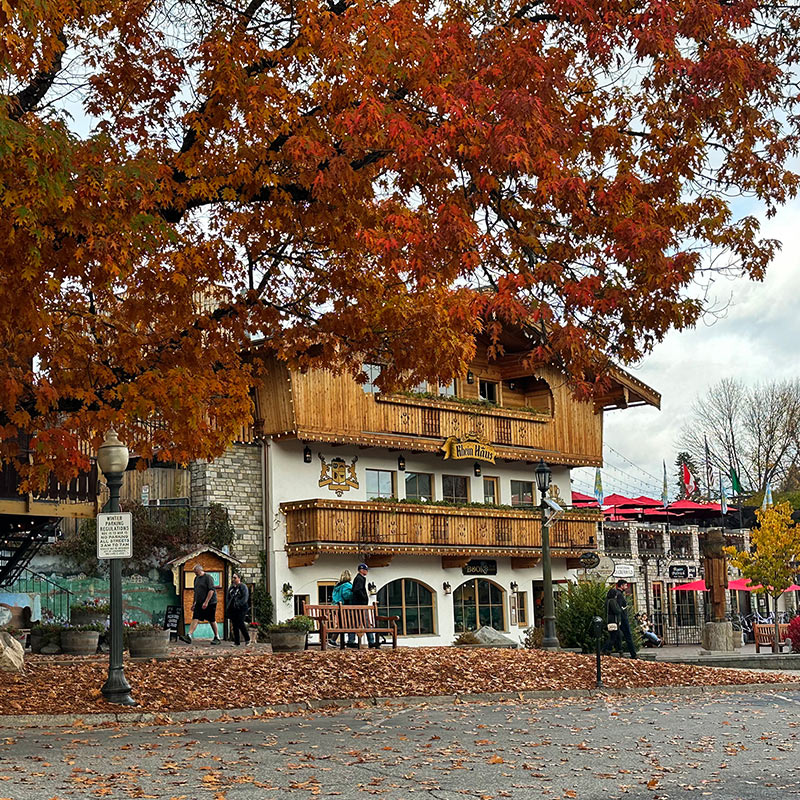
[234, 481]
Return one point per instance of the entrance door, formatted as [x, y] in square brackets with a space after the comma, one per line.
[479, 602]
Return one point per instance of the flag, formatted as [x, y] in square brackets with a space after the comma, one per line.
[767, 497]
[723, 500]
[598, 487]
[664, 489]
[736, 487]
[689, 481]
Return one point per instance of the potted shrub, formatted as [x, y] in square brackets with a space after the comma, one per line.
[147, 641]
[81, 640]
[44, 633]
[93, 611]
[290, 636]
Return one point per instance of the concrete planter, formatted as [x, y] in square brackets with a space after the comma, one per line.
[148, 644]
[288, 641]
[79, 643]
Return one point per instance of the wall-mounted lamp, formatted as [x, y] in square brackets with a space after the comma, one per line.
[512, 385]
[470, 377]
[307, 454]
[514, 586]
[447, 588]
[477, 468]
[372, 588]
[401, 463]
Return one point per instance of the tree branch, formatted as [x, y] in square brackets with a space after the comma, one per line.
[27, 99]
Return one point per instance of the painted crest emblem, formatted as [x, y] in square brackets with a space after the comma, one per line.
[338, 476]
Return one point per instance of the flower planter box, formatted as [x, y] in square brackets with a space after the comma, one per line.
[148, 644]
[288, 641]
[79, 643]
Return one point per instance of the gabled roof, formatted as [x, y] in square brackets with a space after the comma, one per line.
[176, 562]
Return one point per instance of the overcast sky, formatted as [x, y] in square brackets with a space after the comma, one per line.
[758, 339]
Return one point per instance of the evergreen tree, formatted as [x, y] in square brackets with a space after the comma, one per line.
[684, 457]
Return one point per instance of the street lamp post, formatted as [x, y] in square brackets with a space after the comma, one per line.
[549, 640]
[112, 458]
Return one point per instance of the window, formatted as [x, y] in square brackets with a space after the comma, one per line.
[372, 371]
[454, 489]
[325, 592]
[522, 609]
[299, 600]
[420, 388]
[477, 603]
[448, 389]
[410, 600]
[419, 486]
[521, 493]
[380, 483]
[490, 494]
[487, 390]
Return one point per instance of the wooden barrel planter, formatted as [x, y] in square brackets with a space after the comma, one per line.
[287, 641]
[79, 643]
[87, 617]
[39, 638]
[148, 644]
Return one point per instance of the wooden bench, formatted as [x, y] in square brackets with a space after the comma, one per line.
[765, 635]
[320, 612]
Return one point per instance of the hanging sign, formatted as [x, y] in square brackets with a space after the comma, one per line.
[679, 571]
[589, 560]
[471, 446]
[145, 494]
[624, 571]
[115, 535]
[605, 567]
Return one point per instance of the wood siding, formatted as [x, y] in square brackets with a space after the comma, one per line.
[335, 408]
[164, 482]
[331, 525]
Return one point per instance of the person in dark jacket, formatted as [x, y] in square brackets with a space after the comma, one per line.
[617, 618]
[237, 602]
[359, 597]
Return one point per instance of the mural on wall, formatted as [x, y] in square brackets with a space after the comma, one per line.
[338, 476]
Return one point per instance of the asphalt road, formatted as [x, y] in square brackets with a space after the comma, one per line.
[725, 746]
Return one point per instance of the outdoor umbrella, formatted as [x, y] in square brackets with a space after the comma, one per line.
[694, 586]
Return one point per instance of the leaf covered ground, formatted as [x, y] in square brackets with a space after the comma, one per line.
[249, 679]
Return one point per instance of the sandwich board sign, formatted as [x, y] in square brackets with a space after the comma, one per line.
[115, 535]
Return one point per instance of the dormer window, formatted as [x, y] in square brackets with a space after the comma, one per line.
[487, 390]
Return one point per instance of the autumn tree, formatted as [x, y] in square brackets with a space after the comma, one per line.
[774, 553]
[752, 429]
[186, 186]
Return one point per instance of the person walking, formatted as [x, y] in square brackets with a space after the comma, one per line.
[237, 602]
[617, 618]
[204, 607]
[342, 593]
[360, 597]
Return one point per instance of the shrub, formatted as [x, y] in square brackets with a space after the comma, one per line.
[467, 637]
[793, 633]
[299, 623]
[575, 610]
[93, 627]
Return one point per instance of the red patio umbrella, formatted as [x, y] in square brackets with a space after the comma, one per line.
[661, 513]
[643, 501]
[685, 505]
[579, 499]
[617, 500]
[694, 586]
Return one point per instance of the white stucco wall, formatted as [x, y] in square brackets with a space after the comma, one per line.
[290, 479]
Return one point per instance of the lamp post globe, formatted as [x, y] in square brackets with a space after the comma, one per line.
[549, 639]
[112, 458]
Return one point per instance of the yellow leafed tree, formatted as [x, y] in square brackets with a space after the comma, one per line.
[775, 548]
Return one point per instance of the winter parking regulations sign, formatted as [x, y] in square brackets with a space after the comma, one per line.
[115, 535]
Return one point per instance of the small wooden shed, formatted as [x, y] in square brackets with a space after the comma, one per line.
[219, 566]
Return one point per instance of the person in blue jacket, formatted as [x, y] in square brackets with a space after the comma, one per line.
[342, 593]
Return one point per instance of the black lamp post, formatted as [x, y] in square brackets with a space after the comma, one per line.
[549, 639]
[112, 458]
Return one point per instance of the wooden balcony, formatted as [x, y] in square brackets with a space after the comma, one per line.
[77, 499]
[383, 530]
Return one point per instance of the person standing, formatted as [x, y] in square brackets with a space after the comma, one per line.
[617, 618]
[236, 604]
[360, 597]
[342, 593]
[204, 607]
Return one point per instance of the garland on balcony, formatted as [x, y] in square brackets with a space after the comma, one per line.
[468, 401]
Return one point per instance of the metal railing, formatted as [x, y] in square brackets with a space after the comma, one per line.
[55, 599]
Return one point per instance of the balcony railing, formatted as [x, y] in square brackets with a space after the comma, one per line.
[342, 525]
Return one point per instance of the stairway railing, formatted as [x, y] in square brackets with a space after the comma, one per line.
[55, 598]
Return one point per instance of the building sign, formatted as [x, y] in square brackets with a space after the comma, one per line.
[679, 571]
[589, 560]
[145, 494]
[115, 535]
[480, 567]
[338, 476]
[605, 567]
[624, 571]
[471, 446]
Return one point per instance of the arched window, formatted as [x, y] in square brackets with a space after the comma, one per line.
[479, 602]
[410, 600]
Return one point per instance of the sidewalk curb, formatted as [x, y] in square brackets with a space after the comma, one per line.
[211, 714]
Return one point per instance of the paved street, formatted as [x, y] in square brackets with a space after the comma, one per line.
[742, 746]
